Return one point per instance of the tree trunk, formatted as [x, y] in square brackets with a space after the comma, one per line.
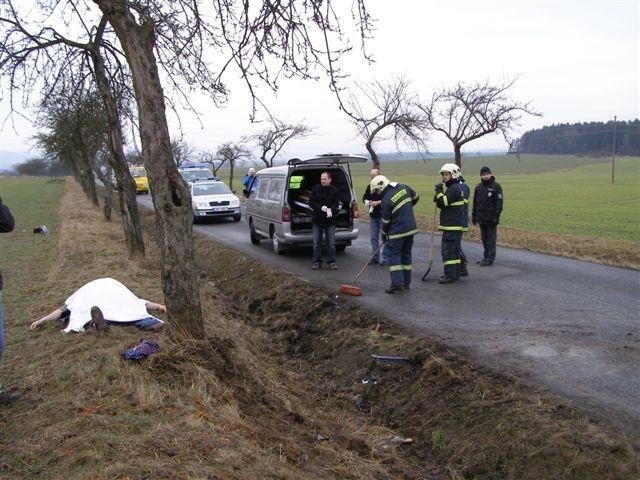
[373, 154]
[457, 154]
[170, 195]
[231, 167]
[105, 178]
[128, 201]
[86, 169]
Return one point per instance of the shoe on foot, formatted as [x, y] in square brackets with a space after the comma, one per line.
[6, 399]
[333, 266]
[444, 280]
[406, 286]
[486, 263]
[98, 319]
[372, 262]
[315, 266]
[393, 289]
[480, 261]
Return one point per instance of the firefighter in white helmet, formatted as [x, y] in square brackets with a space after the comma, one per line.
[398, 228]
[453, 203]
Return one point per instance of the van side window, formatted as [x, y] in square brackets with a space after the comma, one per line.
[275, 186]
[262, 189]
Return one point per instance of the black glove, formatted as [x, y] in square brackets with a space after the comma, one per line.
[439, 187]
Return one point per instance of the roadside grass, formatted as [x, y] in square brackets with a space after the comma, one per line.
[221, 408]
[562, 205]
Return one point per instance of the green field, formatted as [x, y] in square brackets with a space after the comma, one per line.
[548, 193]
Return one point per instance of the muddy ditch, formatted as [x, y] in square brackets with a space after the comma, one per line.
[452, 417]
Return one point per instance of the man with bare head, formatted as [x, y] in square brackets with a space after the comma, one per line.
[324, 201]
[373, 201]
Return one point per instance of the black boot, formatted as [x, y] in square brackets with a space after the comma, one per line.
[444, 280]
[393, 289]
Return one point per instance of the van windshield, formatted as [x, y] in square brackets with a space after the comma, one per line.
[217, 188]
[138, 172]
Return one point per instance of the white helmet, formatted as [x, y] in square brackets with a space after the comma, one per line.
[379, 182]
[452, 168]
[252, 170]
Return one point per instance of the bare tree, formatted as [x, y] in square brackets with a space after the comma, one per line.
[378, 107]
[182, 152]
[76, 133]
[262, 43]
[46, 55]
[231, 153]
[210, 158]
[271, 141]
[467, 112]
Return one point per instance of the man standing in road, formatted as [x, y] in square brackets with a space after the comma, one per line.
[398, 228]
[248, 182]
[453, 206]
[487, 207]
[7, 224]
[373, 202]
[324, 202]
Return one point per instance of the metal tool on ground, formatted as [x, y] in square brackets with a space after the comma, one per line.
[352, 289]
[430, 261]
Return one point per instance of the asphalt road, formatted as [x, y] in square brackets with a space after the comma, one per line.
[570, 327]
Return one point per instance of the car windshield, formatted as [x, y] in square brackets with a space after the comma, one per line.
[191, 175]
[217, 188]
[138, 172]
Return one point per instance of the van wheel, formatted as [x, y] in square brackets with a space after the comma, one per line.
[255, 238]
[341, 248]
[275, 244]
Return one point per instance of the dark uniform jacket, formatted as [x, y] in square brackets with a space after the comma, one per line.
[377, 211]
[327, 196]
[487, 202]
[454, 205]
[7, 223]
[398, 219]
[467, 195]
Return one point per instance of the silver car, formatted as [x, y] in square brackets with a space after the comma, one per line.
[277, 208]
[213, 199]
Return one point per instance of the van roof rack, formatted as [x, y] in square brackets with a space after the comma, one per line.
[330, 158]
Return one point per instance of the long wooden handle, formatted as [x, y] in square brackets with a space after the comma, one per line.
[357, 277]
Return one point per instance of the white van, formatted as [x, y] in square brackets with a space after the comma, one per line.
[278, 208]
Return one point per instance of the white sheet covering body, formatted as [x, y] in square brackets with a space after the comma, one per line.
[117, 302]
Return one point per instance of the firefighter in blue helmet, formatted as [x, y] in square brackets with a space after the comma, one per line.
[398, 228]
[453, 203]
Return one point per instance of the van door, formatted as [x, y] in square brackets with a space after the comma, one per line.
[260, 205]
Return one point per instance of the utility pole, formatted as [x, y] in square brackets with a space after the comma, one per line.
[613, 157]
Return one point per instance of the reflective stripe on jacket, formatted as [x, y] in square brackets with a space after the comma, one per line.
[398, 219]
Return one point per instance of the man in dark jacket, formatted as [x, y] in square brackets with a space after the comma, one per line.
[487, 207]
[453, 204]
[7, 224]
[398, 228]
[373, 202]
[324, 202]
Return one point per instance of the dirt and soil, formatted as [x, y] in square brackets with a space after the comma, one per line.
[283, 387]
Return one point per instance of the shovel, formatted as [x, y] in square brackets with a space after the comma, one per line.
[430, 261]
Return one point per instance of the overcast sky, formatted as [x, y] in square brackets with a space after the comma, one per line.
[577, 61]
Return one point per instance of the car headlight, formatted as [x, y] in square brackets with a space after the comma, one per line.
[234, 203]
